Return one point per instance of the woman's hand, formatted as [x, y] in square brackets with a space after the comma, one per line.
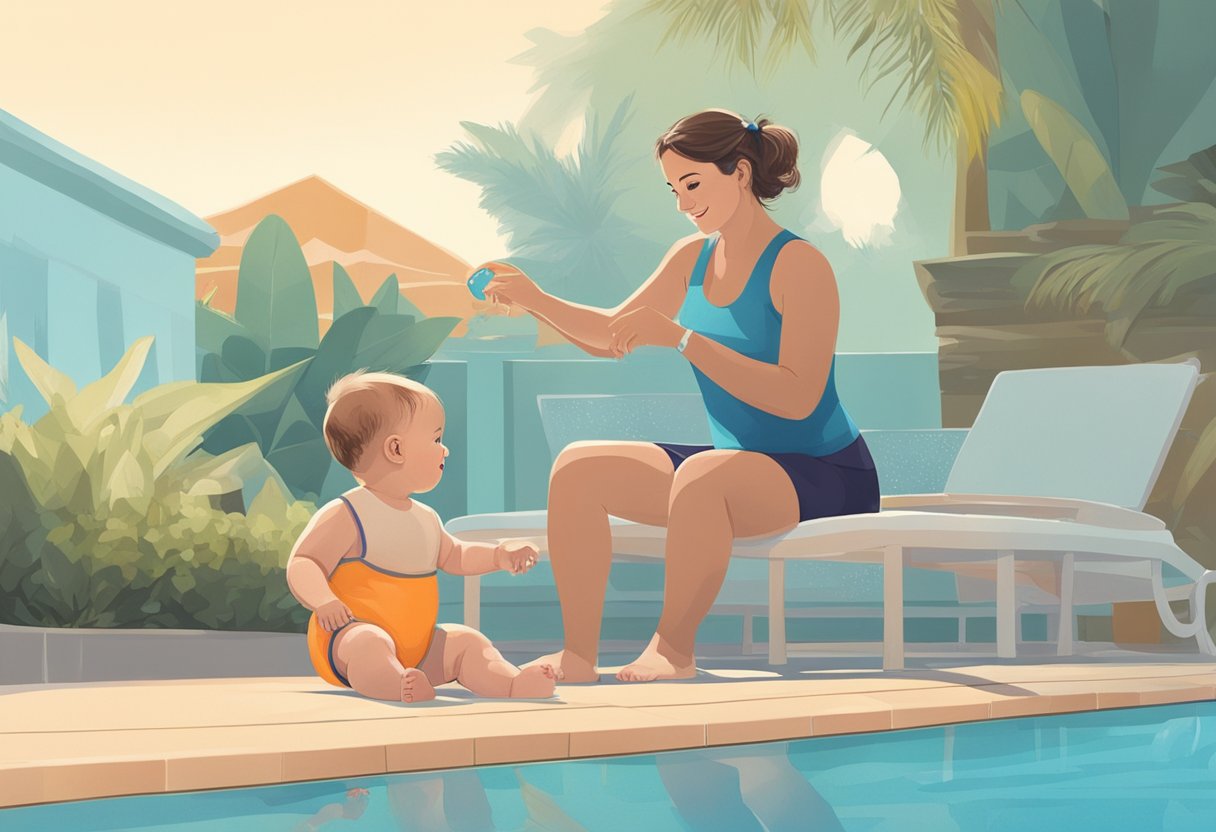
[511, 286]
[644, 326]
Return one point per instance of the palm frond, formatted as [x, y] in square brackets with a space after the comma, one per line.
[1155, 260]
[742, 29]
[959, 97]
[556, 212]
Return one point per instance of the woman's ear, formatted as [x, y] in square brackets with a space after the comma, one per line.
[743, 172]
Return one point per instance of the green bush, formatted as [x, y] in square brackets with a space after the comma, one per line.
[107, 516]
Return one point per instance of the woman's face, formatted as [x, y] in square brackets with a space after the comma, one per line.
[706, 195]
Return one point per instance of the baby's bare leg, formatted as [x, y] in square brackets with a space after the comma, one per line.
[462, 654]
[366, 656]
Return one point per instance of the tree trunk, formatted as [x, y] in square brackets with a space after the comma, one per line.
[977, 27]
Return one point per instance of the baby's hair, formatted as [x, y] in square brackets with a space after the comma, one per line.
[724, 137]
[361, 404]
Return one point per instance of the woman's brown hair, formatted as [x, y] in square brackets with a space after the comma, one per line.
[723, 137]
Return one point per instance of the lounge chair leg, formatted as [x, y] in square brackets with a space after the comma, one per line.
[472, 601]
[1006, 607]
[1197, 627]
[1064, 634]
[776, 612]
[893, 608]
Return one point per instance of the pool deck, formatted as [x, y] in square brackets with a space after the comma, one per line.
[79, 741]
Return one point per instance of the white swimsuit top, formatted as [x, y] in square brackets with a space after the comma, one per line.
[394, 540]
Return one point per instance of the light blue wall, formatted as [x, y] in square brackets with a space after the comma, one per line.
[89, 262]
[82, 252]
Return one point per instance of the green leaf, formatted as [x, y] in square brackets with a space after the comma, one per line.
[286, 356]
[212, 327]
[335, 357]
[270, 502]
[244, 357]
[49, 382]
[413, 344]
[294, 426]
[130, 481]
[346, 294]
[275, 299]
[90, 406]
[183, 411]
[387, 297]
[1076, 155]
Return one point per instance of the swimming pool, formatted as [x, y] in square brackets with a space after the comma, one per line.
[1134, 769]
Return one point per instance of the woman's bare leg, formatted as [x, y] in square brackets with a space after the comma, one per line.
[591, 480]
[366, 656]
[716, 496]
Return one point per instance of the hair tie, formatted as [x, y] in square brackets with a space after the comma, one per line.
[750, 126]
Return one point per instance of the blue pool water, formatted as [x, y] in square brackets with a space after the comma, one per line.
[1138, 769]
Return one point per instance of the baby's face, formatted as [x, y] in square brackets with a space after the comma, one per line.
[423, 447]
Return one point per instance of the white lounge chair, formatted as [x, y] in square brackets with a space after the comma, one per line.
[1056, 468]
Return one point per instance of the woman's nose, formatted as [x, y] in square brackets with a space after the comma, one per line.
[684, 203]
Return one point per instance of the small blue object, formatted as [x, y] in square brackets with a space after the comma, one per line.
[477, 282]
[751, 127]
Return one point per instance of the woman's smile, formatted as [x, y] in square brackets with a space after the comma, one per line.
[698, 216]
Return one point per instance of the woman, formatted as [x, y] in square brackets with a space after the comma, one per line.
[754, 309]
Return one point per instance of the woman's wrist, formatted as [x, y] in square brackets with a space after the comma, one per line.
[682, 344]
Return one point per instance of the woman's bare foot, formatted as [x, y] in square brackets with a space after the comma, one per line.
[570, 668]
[415, 686]
[658, 662]
[534, 682]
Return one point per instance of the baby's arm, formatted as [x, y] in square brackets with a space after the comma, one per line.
[330, 536]
[460, 557]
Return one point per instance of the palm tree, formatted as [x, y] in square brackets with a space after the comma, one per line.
[558, 212]
[946, 50]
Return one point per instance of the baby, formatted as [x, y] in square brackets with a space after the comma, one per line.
[366, 563]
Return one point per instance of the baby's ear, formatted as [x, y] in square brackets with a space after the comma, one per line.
[394, 448]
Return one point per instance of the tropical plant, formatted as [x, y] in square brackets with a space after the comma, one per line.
[275, 323]
[558, 213]
[1192, 180]
[107, 509]
[944, 51]
[1077, 157]
[1132, 74]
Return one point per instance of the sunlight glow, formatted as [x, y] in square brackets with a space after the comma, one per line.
[859, 191]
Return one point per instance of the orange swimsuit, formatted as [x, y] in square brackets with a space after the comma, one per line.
[392, 583]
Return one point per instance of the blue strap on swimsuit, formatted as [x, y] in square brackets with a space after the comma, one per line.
[751, 326]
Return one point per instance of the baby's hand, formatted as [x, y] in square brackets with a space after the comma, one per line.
[334, 614]
[516, 556]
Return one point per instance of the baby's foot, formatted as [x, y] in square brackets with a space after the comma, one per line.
[534, 682]
[570, 667]
[415, 687]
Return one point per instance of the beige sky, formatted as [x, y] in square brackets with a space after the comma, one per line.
[214, 104]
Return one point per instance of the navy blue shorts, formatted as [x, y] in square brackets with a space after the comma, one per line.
[845, 482]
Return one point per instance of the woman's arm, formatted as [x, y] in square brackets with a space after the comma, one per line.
[587, 326]
[805, 287]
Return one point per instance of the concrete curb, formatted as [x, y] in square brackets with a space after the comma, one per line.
[32, 655]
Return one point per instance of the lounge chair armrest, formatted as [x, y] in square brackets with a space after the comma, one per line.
[1048, 508]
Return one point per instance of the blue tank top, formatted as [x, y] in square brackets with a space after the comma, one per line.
[752, 327]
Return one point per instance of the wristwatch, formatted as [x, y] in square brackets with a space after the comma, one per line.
[684, 340]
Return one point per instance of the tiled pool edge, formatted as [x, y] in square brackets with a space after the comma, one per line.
[237, 757]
